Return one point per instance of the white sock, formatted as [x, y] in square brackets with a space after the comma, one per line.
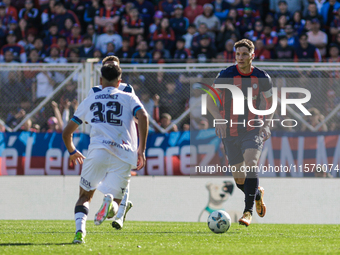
[80, 219]
[123, 203]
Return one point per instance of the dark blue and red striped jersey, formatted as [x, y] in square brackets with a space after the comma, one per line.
[309, 54]
[229, 56]
[133, 24]
[102, 12]
[49, 40]
[74, 40]
[60, 19]
[258, 80]
[17, 50]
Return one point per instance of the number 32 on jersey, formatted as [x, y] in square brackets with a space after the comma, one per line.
[107, 113]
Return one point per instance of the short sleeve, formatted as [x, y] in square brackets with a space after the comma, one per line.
[94, 90]
[79, 115]
[222, 78]
[128, 88]
[135, 104]
[217, 81]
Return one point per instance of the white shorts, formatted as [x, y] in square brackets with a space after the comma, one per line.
[106, 170]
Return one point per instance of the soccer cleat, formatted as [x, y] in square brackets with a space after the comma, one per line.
[260, 205]
[79, 237]
[129, 206]
[245, 219]
[118, 222]
[104, 210]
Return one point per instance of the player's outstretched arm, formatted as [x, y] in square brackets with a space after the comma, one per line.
[143, 129]
[75, 155]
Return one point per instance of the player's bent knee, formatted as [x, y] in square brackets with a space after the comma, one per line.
[239, 181]
[251, 163]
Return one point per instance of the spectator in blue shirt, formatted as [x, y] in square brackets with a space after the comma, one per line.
[179, 23]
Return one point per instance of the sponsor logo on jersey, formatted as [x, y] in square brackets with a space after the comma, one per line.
[112, 143]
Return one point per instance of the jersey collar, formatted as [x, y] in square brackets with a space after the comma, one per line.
[110, 88]
[252, 69]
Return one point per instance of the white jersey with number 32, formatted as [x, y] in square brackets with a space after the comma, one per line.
[110, 113]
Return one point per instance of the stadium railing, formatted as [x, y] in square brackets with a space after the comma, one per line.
[27, 91]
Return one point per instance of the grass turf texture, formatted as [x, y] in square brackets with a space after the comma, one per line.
[55, 237]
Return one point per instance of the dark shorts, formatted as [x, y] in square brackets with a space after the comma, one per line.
[235, 146]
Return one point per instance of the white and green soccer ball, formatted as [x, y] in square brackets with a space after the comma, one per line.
[219, 221]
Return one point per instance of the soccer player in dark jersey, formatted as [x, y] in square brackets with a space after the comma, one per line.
[242, 141]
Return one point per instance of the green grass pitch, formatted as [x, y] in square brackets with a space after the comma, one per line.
[55, 237]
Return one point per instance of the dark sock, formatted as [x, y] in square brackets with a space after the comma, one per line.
[250, 188]
[82, 209]
[240, 186]
[258, 195]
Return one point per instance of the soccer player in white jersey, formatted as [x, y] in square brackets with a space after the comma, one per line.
[104, 186]
[111, 153]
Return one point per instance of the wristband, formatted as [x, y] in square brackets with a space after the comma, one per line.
[73, 152]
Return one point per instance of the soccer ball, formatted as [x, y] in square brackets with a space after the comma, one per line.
[219, 222]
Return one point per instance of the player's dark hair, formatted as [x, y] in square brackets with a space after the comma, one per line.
[111, 72]
[111, 59]
[245, 43]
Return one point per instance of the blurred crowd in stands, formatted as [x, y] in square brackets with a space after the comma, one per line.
[159, 31]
